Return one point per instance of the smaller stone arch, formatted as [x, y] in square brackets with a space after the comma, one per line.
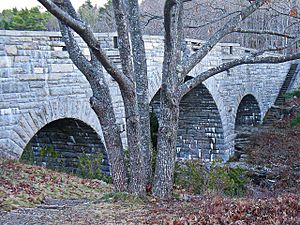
[248, 112]
[248, 115]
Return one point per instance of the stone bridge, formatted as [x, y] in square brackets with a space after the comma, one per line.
[44, 99]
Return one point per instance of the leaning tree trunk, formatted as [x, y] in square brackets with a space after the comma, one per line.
[101, 103]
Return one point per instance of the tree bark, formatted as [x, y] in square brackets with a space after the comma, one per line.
[169, 100]
[136, 169]
[133, 126]
[141, 80]
[166, 146]
[101, 103]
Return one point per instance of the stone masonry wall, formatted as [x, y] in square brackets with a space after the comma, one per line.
[39, 84]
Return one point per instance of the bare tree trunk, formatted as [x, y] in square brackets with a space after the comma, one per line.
[141, 80]
[136, 169]
[101, 103]
[133, 127]
[169, 100]
[166, 147]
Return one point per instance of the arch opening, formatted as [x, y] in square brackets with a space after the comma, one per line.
[248, 116]
[200, 132]
[248, 112]
[62, 143]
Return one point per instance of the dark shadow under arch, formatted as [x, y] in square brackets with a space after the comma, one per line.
[200, 131]
[65, 140]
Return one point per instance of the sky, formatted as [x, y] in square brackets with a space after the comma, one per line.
[8, 4]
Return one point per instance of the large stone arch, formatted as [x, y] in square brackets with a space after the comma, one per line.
[31, 122]
[64, 141]
[200, 129]
[228, 100]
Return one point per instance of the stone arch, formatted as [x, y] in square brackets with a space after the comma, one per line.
[155, 102]
[154, 87]
[65, 140]
[200, 130]
[248, 112]
[248, 115]
[32, 121]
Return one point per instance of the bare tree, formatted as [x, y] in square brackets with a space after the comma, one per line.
[203, 17]
[132, 81]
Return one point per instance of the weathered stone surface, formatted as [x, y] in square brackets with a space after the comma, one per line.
[38, 70]
[11, 49]
[59, 54]
[22, 59]
[32, 77]
[62, 68]
[5, 61]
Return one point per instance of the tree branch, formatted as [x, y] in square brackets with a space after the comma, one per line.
[87, 35]
[268, 32]
[225, 30]
[213, 21]
[149, 17]
[285, 14]
[189, 85]
[80, 61]
[276, 49]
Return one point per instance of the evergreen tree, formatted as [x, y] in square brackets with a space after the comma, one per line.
[100, 19]
[106, 18]
[24, 19]
[89, 14]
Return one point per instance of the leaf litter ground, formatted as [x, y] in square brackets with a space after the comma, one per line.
[34, 195]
